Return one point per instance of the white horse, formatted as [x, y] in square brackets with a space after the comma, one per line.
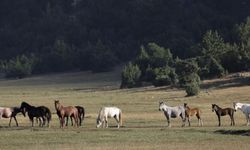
[109, 112]
[245, 108]
[173, 112]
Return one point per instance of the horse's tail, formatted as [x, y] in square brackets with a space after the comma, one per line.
[120, 118]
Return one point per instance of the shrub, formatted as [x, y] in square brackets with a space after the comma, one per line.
[19, 67]
[164, 76]
[130, 76]
[192, 89]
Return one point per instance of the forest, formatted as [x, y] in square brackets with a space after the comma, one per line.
[62, 35]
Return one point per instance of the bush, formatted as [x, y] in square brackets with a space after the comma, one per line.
[130, 76]
[192, 89]
[164, 76]
[19, 67]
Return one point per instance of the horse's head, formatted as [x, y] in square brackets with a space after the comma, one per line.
[161, 106]
[23, 108]
[236, 106]
[214, 108]
[98, 122]
[23, 111]
[57, 103]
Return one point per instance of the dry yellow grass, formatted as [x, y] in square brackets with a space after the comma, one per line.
[144, 126]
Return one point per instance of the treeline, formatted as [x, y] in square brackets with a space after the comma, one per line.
[156, 64]
[38, 36]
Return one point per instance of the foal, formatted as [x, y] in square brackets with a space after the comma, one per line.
[222, 112]
[191, 112]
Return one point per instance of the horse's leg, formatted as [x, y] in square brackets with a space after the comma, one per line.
[10, 121]
[67, 120]
[72, 121]
[16, 121]
[233, 119]
[44, 120]
[183, 118]
[62, 122]
[199, 119]
[80, 119]
[247, 119]
[219, 120]
[117, 120]
[32, 122]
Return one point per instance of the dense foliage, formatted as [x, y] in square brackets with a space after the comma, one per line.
[97, 34]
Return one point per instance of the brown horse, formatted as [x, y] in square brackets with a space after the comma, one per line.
[9, 112]
[81, 114]
[63, 112]
[191, 112]
[223, 112]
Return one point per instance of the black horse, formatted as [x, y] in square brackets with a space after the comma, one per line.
[42, 113]
[81, 114]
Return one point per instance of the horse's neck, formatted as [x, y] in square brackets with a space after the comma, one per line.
[188, 108]
[217, 107]
[28, 106]
[59, 107]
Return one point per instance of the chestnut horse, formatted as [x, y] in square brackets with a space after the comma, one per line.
[9, 112]
[81, 114]
[63, 112]
[223, 112]
[191, 112]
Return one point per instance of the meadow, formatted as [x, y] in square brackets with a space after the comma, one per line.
[144, 126]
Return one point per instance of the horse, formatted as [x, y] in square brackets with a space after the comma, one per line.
[9, 112]
[191, 112]
[245, 108]
[173, 112]
[40, 112]
[108, 112]
[81, 114]
[223, 112]
[63, 112]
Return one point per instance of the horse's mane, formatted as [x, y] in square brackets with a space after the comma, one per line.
[24, 104]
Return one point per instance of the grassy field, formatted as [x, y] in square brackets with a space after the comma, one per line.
[144, 127]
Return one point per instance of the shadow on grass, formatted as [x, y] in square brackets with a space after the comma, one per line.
[231, 82]
[234, 132]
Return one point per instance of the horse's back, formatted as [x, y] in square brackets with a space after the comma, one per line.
[246, 108]
[112, 111]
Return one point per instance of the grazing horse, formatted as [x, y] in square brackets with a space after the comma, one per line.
[191, 112]
[63, 112]
[222, 112]
[173, 112]
[81, 114]
[245, 108]
[9, 112]
[108, 112]
[40, 112]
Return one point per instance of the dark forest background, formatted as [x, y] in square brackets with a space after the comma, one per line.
[39, 36]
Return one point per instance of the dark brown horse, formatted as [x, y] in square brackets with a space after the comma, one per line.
[223, 112]
[9, 112]
[81, 114]
[63, 112]
[191, 112]
[40, 112]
